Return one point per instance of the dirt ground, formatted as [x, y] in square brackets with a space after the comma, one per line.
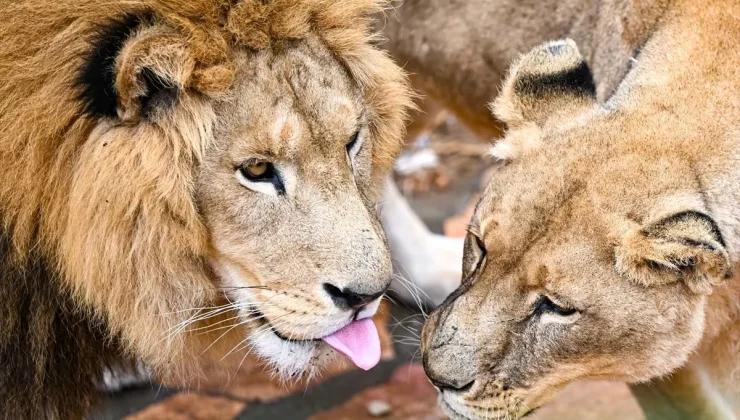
[397, 388]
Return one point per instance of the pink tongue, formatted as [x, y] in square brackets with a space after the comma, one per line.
[359, 341]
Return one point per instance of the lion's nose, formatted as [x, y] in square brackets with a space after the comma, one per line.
[345, 298]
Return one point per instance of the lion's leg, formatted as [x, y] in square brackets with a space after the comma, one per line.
[421, 259]
[687, 394]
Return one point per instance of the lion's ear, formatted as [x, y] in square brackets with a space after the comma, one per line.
[135, 68]
[550, 82]
[685, 246]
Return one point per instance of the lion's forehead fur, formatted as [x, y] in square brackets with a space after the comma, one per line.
[109, 204]
[283, 108]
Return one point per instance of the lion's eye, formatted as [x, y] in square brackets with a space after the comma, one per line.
[261, 176]
[546, 305]
[354, 145]
[258, 170]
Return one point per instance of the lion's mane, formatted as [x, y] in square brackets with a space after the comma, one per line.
[97, 264]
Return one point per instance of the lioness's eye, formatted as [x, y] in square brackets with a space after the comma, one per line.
[473, 255]
[354, 145]
[545, 304]
[259, 175]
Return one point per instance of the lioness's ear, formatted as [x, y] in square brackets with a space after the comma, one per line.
[551, 79]
[685, 246]
[134, 68]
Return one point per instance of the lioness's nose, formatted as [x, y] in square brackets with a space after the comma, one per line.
[449, 384]
[346, 298]
[437, 363]
[449, 358]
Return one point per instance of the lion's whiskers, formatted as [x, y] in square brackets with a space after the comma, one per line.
[214, 311]
[261, 330]
[277, 321]
[197, 316]
[240, 314]
[194, 309]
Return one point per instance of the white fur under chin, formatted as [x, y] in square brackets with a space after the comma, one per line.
[292, 359]
[287, 359]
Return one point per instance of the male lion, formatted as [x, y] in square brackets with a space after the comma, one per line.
[176, 166]
[605, 248]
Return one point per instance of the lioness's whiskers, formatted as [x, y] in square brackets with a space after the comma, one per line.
[414, 291]
[390, 299]
[414, 333]
[406, 341]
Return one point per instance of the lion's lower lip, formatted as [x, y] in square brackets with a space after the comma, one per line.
[259, 316]
[292, 340]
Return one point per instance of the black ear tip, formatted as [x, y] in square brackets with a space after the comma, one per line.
[577, 80]
[96, 78]
[555, 67]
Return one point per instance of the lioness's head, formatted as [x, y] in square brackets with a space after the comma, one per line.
[210, 169]
[587, 256]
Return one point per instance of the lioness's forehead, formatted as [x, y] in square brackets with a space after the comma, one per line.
[289, 99]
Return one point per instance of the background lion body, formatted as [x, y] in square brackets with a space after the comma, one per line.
[102, 247]
[458, 54]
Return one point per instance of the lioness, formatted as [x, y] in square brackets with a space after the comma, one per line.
[605, 248]
[457, 53]
[188, 175]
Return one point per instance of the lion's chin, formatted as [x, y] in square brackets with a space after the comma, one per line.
[291, 360]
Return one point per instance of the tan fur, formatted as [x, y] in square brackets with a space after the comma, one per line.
[625, 211]
[135, 213]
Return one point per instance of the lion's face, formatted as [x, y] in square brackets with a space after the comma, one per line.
[578, 264]
[220, 186]
[284, 191]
